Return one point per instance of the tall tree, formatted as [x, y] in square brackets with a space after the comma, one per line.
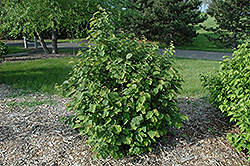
[233, 20]
[29, 16]
[165, 20]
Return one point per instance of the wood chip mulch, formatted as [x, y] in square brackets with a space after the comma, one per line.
[30, 134]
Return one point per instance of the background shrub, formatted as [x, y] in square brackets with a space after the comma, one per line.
[3, 51]
[123, 92]
[230, 91]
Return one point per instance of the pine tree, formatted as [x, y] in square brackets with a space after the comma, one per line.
[233, 20]
[165, 20]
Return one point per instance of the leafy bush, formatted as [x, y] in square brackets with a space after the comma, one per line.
[230, 91]
[123, 92]
[4, 50]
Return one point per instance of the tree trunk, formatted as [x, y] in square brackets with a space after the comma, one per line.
[43, 44]
[54, 38]
[234, 38]
[234, 42]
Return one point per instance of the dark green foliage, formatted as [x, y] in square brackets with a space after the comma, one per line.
[51, 16]
[232, 18]
[165, 20]
[230, 91]
[3, 50]
[123, 92]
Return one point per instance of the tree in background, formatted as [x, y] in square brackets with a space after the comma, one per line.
[233, 20]
[36, 16]
[164, 20]
[3, 50]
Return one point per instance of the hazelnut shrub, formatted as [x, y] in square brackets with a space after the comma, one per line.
[230, 92]
[123, 92]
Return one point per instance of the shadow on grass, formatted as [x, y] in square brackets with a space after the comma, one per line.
[35, 78]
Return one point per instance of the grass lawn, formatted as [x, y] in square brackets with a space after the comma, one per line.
[191, 68]
[73, 50]
[42, 75]
[35, 76]
[13, 50]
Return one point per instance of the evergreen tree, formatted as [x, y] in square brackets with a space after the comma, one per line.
[165, 20]
[233, 20]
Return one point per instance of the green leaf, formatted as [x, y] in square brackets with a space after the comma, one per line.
[102, 92]
[114, 95]
[105, 113]
[149, 114]
[156, 73]
[142, 99]
[108, 140]
[93, 107]
[150, 149]
[167, 117]
[154, 119]
[81, 131]
[119, 60]
[118, 128]
[144, 128]
[151, 134]
[108, 120]
[128, 140]
[62, 119]
[134, 86]
[118, 103]
[129, 55]
[156, 91]
[139, 138]
[136, 150]
[156, 112]
[115, 148]
[145, 142]
[136, 122]
[178, 125]
[105, 102]
[125, 131]
[149, 81]
[77, 126]
[102, 53]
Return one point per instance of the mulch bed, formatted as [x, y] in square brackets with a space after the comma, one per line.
[32, 135]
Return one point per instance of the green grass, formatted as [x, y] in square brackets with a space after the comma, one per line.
[74, 51]
[13, 50]
[191, 68]
[30, 103]
[42, 75]
[201, 43]
[35, 76]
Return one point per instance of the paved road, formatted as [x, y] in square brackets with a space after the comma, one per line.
[178, 53]
[201, 54]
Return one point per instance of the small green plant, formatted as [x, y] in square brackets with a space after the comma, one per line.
[211, 130]
[123, 92]
[230, 91]
[30, 103]
[3, 51]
